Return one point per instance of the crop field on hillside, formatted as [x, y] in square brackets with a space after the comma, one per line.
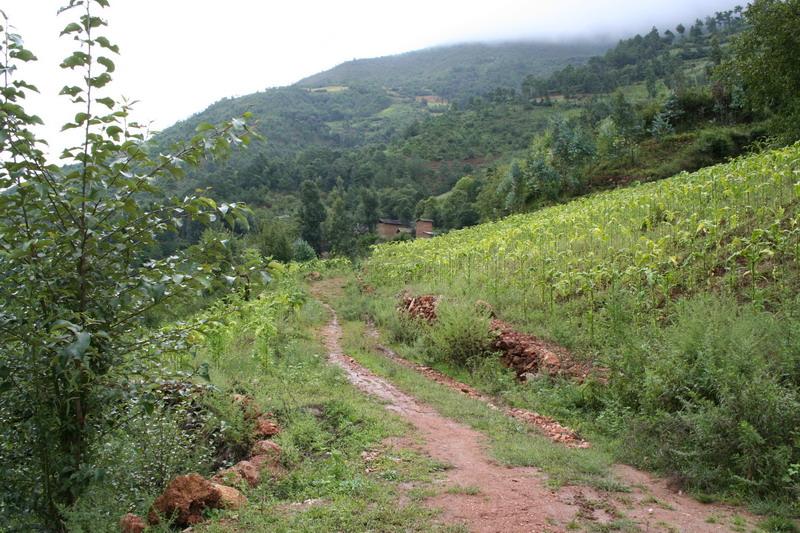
[726, 224]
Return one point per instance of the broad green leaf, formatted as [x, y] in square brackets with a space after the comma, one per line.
[105, 43]
[77, 59]
[23, 55]
[71, 28]
[108, 102]
[106, 62]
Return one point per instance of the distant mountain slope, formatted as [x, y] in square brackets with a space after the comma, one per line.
[294, 118]
[458, 72]
[366, 104]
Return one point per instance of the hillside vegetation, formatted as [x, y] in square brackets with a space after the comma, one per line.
[683, 290]
[165, 348]
[470, 133]
[458, 73]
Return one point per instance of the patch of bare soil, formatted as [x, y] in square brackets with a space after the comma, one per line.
[529, 355]
[526, 354]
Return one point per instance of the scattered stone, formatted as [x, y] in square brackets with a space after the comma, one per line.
[131, 523]
[265, 427]
[311, 502]
[243, 471]
[313, 276]
[229, 497]
[267, 448]
[184, 500]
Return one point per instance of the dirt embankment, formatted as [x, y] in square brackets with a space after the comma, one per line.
[548, 426]
[526, 354]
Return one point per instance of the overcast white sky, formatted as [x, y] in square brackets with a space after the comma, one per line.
[179, 56]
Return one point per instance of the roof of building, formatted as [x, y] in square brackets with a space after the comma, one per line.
[390, 221]
[425, 220]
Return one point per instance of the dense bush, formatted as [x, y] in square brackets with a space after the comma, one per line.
[461, 335]
[717, 401]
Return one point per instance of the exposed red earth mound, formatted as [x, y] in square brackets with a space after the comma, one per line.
[524, 353]
[241, 472]
[550, 427]
[131, 523]
[266, 427]
[422, 307]
[528, 354]
[184, 501]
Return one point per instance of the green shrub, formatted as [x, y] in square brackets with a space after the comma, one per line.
[303, 251]
[460, 335]
[135, 462]
[717, 401]
[716, 145]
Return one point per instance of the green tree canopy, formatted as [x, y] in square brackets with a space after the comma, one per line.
[765, 61]
[76, 283]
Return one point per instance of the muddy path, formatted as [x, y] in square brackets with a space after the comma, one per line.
[517, 499]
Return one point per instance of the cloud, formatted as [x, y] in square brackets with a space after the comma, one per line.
[178, 56]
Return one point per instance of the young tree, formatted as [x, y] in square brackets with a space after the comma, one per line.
[764, 62]
[75, 282]
[696, 31]
[312, 215]
[651, 81]
[340, 226]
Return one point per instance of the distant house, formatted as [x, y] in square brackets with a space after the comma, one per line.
[424, 228]
[389, 229]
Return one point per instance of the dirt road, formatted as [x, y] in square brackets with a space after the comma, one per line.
[518, 499]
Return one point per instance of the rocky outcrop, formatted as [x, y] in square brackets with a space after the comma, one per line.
[229, 497]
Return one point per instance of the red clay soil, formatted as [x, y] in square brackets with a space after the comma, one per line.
[184, 500]
[422, 307]
[528, 354]
[517, 499]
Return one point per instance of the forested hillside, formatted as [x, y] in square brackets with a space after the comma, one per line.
[467, 133]
[319, 127]
[458, 73]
